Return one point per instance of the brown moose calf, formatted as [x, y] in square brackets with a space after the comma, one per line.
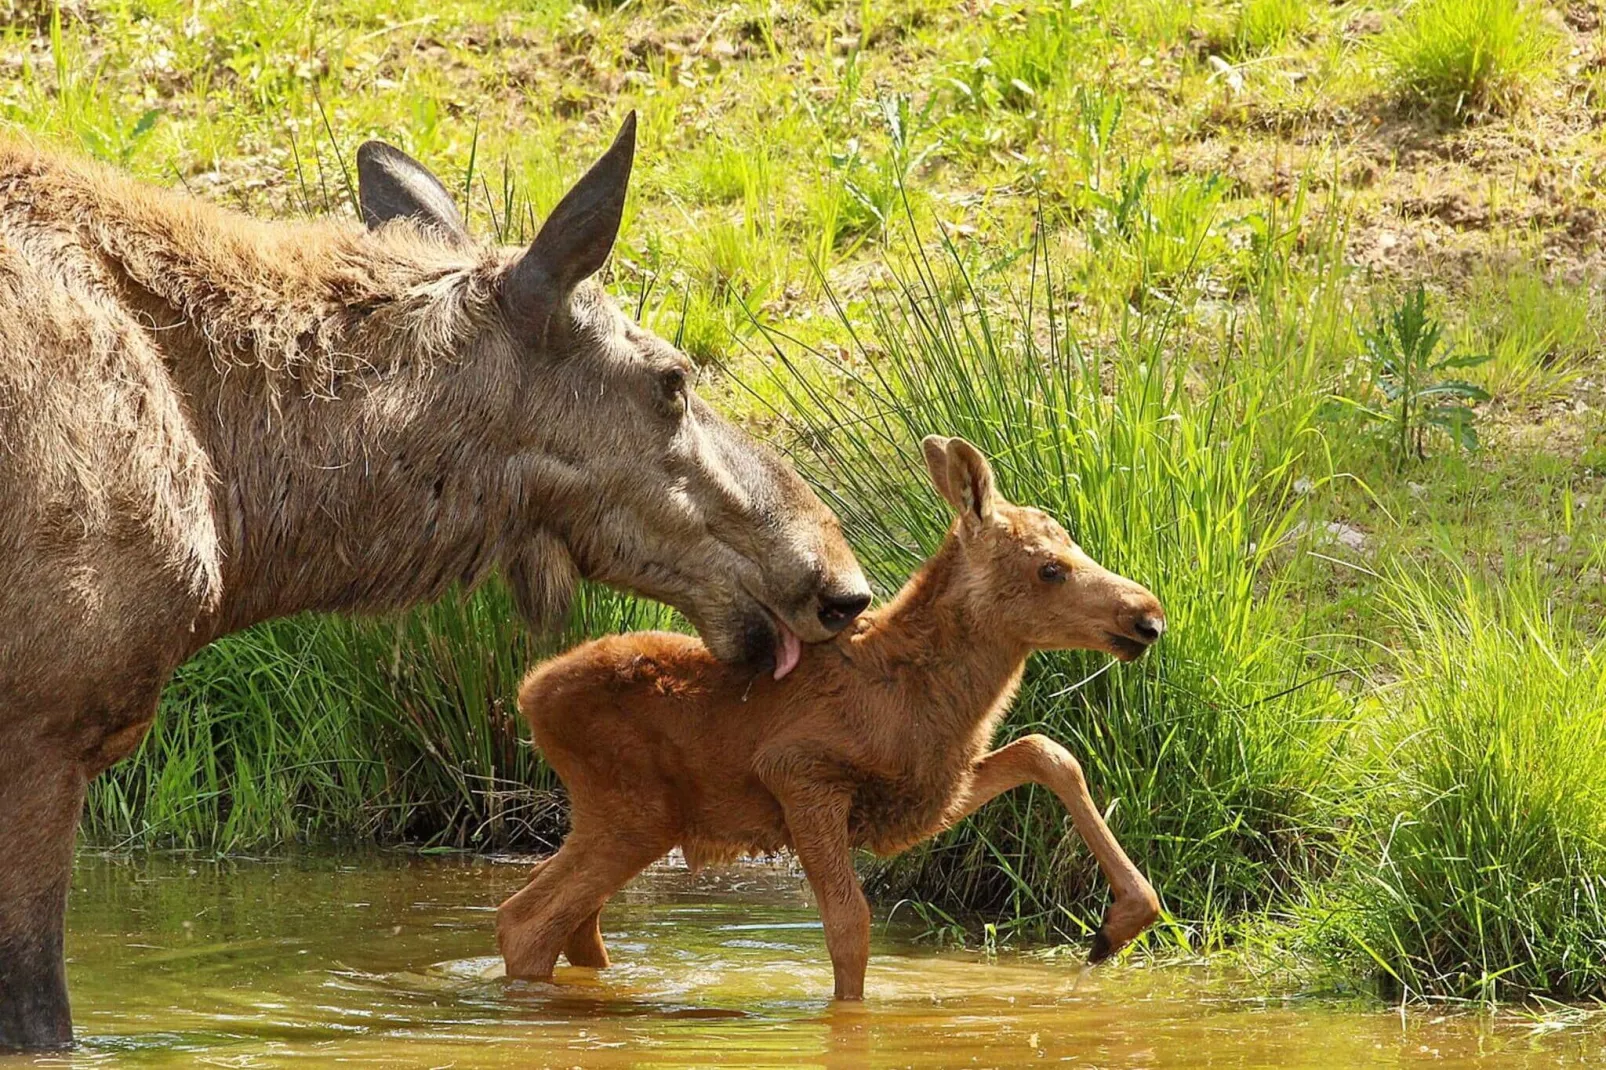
[876, 740]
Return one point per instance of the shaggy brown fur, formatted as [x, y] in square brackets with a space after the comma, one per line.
[207, 421]
[879, 739]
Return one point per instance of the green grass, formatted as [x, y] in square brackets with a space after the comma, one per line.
[1219, 755]
[1261, 26]
[1478, 872]
[1539, 333]
[1151, 238]
[1469, 56]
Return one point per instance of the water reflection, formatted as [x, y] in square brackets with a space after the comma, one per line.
[388, 960]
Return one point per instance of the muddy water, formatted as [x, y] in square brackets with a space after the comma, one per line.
[388, 961]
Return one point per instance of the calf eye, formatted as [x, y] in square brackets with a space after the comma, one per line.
[1053, 572]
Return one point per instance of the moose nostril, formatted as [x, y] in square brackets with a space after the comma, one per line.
[1149, 629]
[836, 612]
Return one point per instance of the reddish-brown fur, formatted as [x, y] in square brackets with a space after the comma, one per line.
[878, 740]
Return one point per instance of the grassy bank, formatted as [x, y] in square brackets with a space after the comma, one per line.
[1281, 306]
[1481, 847]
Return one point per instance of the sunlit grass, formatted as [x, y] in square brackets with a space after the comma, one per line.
[1479, 872]
[1263, 25]
[1462, 56]
[1540, 333]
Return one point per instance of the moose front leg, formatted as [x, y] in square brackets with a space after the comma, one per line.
[1037, 759]
[41, 794]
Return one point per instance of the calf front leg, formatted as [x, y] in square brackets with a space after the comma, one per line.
[1037, 759]
[41, 795]
[819, 829]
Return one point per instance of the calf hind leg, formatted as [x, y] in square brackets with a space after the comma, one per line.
[558, 910]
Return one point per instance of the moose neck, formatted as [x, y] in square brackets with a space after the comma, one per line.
[351, 392]
[963, 669]
[385, 487]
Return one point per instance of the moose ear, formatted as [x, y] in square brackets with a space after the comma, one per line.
[393, 185]
[576, 238]
[970, 481]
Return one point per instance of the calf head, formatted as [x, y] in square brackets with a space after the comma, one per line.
[1026, 578]
[625, 475]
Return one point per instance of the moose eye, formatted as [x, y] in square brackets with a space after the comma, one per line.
[1053, 572]
[672, 382]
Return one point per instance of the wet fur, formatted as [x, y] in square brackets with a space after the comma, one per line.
[875, 741]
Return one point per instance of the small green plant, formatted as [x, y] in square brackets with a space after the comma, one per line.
[1154, 232]
[1403, 348]
[874, 185]
[1468, 56]
[1023, 58]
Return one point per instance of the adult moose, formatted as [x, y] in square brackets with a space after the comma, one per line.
[207, 421]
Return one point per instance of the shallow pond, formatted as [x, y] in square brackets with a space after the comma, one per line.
[388, 960]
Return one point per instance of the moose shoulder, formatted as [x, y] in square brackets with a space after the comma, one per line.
[207, 421]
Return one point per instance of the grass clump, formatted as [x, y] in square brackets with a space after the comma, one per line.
[1217, 755]
[1482, 871]
[1539, 333]
[1264, 25]
[1469, 56]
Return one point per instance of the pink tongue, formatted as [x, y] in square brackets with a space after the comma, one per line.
[791, 649]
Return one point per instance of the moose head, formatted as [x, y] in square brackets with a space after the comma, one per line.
[628, 477]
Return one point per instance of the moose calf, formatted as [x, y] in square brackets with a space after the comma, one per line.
[876, 740]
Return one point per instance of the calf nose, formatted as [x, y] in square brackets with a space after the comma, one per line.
[1148, 628]
[836, 611]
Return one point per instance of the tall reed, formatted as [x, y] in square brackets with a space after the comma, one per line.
[1217, 757]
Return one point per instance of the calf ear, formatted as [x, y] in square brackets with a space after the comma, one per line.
[935, 448]
[970, 479]
[393, 185]
[576, 238]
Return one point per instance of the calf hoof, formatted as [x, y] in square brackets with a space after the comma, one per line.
[521, 958]
[1122, 923]
[1102, 948]
[516, 970]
